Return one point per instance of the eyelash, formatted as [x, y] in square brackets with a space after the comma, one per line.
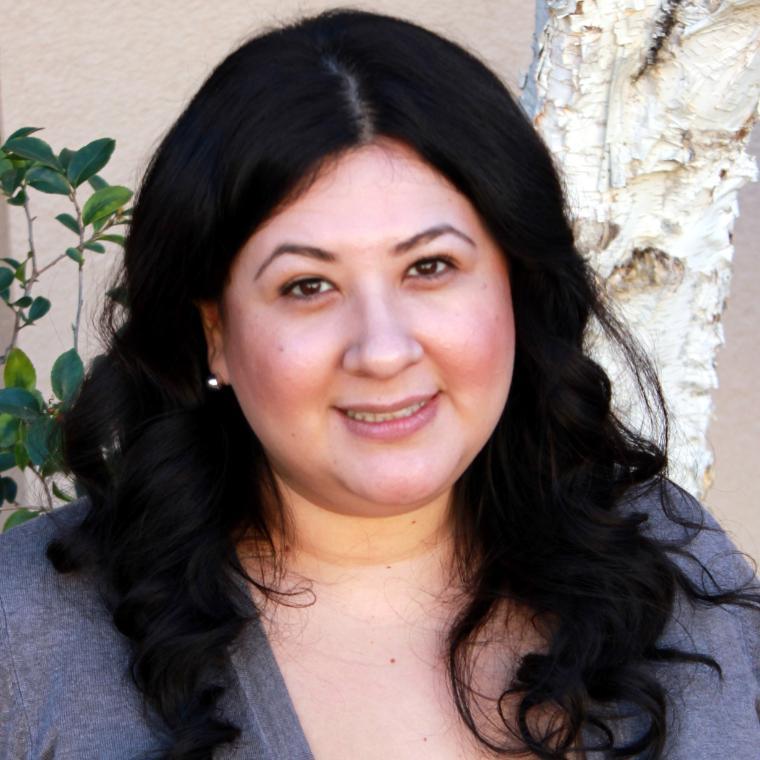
[289, 288]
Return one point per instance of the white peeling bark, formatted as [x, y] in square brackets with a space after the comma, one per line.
[648, 106]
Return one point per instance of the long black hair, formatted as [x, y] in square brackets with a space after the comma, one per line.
[176, 477]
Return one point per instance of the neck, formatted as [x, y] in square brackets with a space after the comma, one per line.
[352, 553]
[359, 541]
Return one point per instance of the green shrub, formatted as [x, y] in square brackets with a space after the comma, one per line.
[30, 431]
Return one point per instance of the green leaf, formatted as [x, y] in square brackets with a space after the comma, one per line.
[118, 239]
[23, 132]
[8, 489]
[51, 467]
[38, 439]
[90, 160]
[6, 165]
[40, 306]
[68, 221]
[19, 517]
[8, 430]
[34, 149]
[20, 273]
[61, 494]
[98, 224]
[104, 202]
[22, 164]
[8, 260]
[97, 182]
[20, 403]
[6, 277]
[23, 302]
[10, 180]
[18, 199]
[7, 460]
[19, 371]
[21, 455]
[73, 253]
[66, 375]
[64, 157]
[97, 247]
[47, 181]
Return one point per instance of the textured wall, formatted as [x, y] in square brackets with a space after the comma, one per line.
[85, 70]
[735, 429]
[126, 70]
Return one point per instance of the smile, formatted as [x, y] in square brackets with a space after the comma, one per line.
[392, 424]
[371, 417]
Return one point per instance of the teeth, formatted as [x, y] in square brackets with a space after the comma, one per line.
[369, 417]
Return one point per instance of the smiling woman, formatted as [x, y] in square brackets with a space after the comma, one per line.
[355, 486]
[399, 336]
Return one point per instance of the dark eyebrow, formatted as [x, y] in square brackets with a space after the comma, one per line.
[405, 245]
[430, 234]
[301, 250]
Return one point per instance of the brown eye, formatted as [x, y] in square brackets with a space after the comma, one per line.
[306, 288]
[433, 267]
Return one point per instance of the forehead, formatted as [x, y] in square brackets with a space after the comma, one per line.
[377, 193]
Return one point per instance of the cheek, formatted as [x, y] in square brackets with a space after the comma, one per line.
[481, 345]
[275, 373]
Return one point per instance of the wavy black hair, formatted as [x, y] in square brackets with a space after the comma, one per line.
[176, 478]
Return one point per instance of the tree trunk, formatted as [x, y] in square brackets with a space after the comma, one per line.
[647, 107]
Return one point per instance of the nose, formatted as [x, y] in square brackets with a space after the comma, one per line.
[382, 343]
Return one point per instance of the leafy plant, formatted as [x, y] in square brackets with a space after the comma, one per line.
[30, 431]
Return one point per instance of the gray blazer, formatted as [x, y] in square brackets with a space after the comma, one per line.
[65, 689]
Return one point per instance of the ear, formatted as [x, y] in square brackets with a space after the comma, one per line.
[213, 329]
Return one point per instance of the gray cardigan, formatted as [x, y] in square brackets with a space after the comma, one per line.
[65, 689]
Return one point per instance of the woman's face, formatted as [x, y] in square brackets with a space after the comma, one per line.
[367, 332]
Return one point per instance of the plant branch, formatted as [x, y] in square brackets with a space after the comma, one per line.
[27, 284]
[50, 265]
[32, 253]
[80, 301]
[80, 275]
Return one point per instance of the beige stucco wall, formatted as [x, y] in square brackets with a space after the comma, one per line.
[85, 70]
[735, 428]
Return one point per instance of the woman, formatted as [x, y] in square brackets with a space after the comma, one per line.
[354, 487]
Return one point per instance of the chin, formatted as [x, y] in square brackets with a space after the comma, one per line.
[408, 485]
[396, 496]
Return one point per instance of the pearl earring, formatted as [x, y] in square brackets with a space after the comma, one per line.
[213, 383]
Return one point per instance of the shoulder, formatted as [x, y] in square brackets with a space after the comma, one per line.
[30, 586]
[28, 580]
[22, 549]
[702, 700]
[61, 657]
[678, 521]
[697, 544]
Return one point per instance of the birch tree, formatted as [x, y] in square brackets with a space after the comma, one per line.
[648, 106]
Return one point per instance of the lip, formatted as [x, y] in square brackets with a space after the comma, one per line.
[385, 408]
[392, 430]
